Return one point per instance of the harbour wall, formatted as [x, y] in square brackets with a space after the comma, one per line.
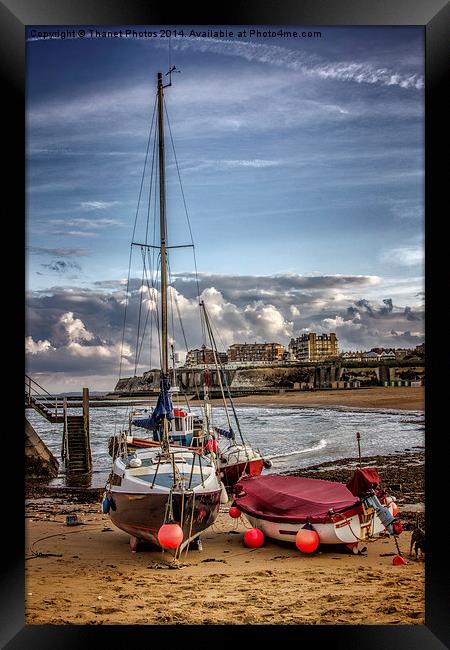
[39, 460]
[265, 379]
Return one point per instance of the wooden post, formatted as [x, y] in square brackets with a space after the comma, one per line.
[86, 424]
[65, 434]
[86, 409]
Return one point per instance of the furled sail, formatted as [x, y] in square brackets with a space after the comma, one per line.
[162, 410]
[225, 433]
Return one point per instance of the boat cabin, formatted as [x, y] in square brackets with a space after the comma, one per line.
[182, 428]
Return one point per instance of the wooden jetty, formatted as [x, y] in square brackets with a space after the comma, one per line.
[76, 448]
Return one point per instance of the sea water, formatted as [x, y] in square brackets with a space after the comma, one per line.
[291, 437]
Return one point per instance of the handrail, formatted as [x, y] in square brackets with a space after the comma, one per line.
[40, 395]
[41, 387]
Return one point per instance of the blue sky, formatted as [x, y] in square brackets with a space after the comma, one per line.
[302, 167]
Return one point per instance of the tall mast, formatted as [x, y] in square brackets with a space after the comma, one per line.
[163, 229]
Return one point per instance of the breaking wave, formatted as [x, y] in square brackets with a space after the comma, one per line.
[320, 445]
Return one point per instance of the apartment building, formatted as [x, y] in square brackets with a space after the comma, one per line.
[256, 352]
[204, 355]
[314, 347]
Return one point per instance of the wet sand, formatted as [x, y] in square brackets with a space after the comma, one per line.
[87, 574]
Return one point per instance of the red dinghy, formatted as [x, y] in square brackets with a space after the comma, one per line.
[281, 505]
[293, 499]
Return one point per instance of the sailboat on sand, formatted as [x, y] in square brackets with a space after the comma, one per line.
[231, 454]
[164, 493]
[235, 456]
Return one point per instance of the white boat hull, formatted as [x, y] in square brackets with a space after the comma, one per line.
[348, 530]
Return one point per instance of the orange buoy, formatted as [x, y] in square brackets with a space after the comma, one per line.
[254, 538]
[307, 540]
[170, 535]
[234, 512]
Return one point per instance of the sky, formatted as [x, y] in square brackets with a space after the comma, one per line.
[302, 171]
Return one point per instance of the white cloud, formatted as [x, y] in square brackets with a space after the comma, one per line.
[79, 331]
[85, 223]
[97, 205]
[249, 163]
[404, 256]
[75, 328]
[36, 347]
[301, 61]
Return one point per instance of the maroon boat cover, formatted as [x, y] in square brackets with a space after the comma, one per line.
[364, 480]
[284, 498]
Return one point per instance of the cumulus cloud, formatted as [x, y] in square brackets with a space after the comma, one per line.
[74, 328]
[35, 347]
[72, 348]
[79, 330]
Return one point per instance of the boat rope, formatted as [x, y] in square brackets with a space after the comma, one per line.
[148, 311]
[141, 295]
[132, 237]
[177, 552]
[41, 539]
[168, 516]
[192, 522]
[127, 291]
[139, 321]
[180, 320]
[360, 539]
[216, 363]
[187, 216]
[225, 381]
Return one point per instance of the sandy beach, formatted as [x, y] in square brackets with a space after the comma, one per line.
[87, 574]
[380, 397]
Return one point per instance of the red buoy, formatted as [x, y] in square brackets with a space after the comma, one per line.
[397, 527]
[307, 540]
[170, 535]
[212, 445]
[398, 560]
[254, 538]
[234, 512]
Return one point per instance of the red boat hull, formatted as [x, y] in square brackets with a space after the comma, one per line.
[232, 473]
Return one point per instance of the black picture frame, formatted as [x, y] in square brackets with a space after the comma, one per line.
[433, 15]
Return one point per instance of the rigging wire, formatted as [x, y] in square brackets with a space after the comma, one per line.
[222, 372]
[127, 293]
[132, 238]
[141, 293]
[187, 218]
[153, 180]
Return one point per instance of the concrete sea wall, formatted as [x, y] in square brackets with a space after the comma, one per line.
[261, 379]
